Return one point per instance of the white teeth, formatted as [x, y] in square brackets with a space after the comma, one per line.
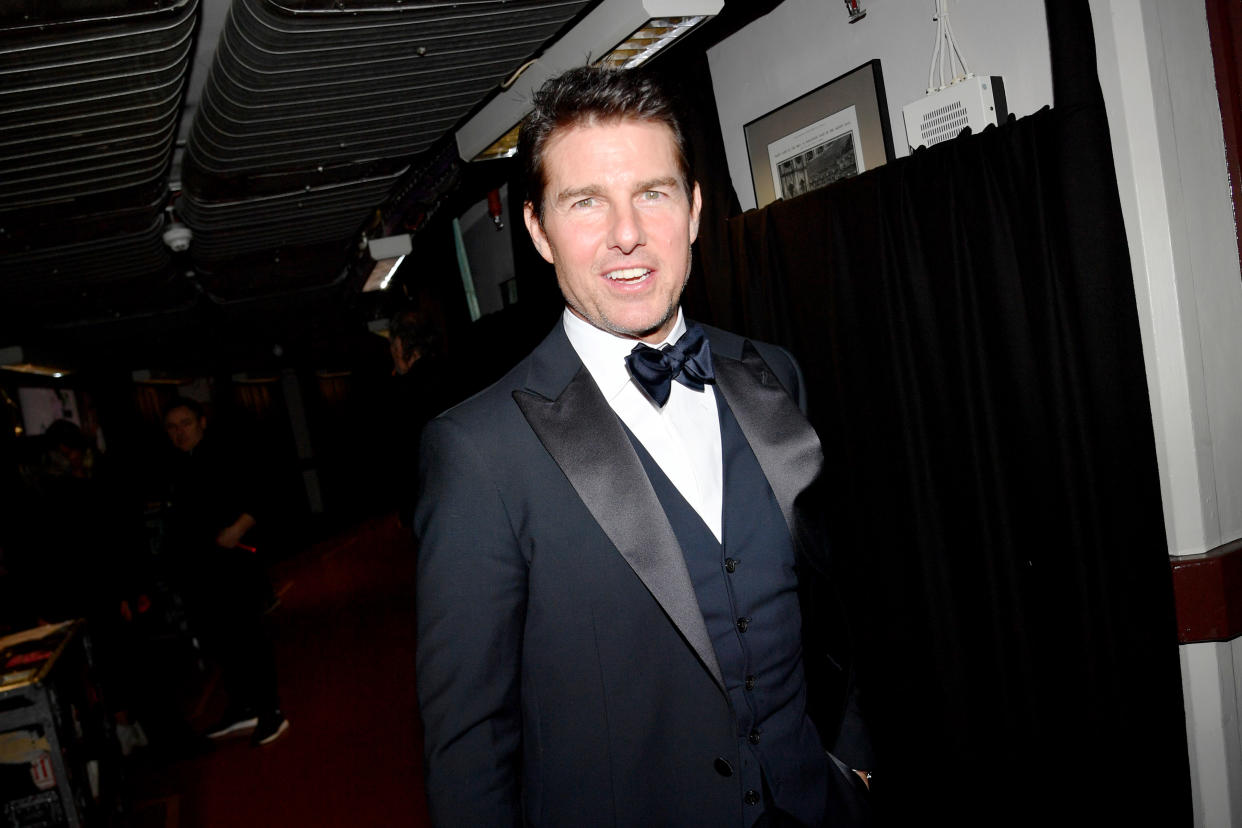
[628, 274]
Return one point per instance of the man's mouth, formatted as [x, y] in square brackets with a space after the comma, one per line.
[629, 275]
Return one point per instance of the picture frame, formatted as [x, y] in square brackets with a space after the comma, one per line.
[835, 131]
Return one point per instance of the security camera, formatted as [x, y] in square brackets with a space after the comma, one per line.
[178, 237]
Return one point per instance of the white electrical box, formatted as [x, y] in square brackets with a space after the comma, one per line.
[973, 102]
[390, 247]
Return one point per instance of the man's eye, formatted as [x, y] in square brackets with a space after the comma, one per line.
[652, 195]
[584, 203]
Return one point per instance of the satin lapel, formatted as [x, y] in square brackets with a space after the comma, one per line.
[786, 446]
[588, 442]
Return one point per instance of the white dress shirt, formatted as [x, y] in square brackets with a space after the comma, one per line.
[683, 437]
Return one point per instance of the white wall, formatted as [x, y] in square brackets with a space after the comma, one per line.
[803, 44]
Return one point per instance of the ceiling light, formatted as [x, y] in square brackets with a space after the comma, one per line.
[634, 51]
[633, 29]
[641, 46]
[382, 273]
[504, 147]
[22, 360]
[35, 368]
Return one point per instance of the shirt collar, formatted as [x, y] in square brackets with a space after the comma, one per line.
[604, 353]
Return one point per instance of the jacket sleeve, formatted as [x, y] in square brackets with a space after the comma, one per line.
[471, 606]
[851, 743]
[788, 372]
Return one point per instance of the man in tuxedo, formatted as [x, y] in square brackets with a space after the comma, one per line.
[622, 603]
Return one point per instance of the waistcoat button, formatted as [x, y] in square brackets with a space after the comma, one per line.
[752, 797]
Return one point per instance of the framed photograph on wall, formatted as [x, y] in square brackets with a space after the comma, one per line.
[832, 132]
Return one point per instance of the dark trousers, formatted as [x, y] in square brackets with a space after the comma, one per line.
[227, 602]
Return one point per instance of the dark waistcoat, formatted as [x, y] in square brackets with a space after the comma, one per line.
[747, 591]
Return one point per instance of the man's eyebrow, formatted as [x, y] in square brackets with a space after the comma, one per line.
[656, 183]
[575, 193]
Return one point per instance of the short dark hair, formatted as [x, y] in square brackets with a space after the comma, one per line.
[195, 407]
[590, 94]
[412, 329]
[66, 433]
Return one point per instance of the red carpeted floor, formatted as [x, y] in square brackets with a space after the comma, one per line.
[344, 634]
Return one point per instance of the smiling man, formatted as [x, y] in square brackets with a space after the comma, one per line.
[618, 225]
[621, 604]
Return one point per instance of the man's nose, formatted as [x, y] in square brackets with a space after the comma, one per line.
[626, 229]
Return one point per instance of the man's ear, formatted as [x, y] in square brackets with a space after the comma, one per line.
[696, 206]
[535, 228]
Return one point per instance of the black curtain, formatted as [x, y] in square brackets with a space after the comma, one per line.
[967, 323]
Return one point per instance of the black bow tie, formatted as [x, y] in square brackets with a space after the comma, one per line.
[689, 361]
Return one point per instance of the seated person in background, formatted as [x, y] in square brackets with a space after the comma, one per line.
[78, 544]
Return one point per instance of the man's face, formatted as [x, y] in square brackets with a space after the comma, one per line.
[184, 428]
[617, 225]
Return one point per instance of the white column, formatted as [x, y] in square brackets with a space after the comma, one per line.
[1155, 67]
[1212, 696]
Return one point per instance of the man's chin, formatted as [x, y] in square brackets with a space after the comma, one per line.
[630, 327]
[646, 329]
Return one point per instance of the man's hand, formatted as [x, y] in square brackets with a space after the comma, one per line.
[865, 776]
[231, 535]
[142, 603]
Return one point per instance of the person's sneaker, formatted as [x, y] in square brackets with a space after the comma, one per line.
[233, 722]
[270, 728]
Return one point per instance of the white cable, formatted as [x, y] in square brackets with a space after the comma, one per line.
[942, 37]
[946, 48]
[935, 60]
[939, 56]
[956, 50]
[941, 10]
[942, 55]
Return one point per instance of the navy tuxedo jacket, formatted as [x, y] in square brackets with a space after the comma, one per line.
[565, 674]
